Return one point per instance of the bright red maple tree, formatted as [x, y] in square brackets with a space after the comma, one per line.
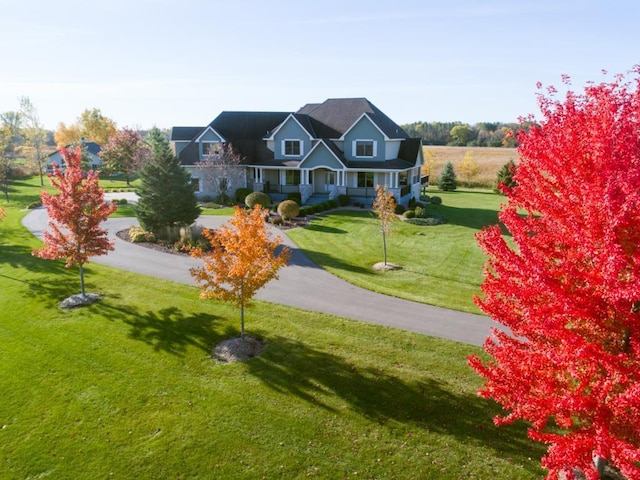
[242, 260]
[567, 283]
[75, 213]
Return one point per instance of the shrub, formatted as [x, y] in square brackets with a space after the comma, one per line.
[420, 212]
[435, 201]
[427, 222]
[295, 196]
[307, 210]
[257, 198]
[241, 194]
[398, 209]
[333, 203]
[409, 214]
[122, 201]
[224, 199]
[424, 198]
[139, 234]
[33, 205]
[288, 209]
[343, 200]
[277, 221]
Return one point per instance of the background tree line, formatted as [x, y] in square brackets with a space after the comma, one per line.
[458, 134]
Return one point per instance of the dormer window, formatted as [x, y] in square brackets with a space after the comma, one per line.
[364, 148]
[210, 148]
[292, 148]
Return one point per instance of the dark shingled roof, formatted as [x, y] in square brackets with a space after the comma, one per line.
[184, 134]
[335, 116]
[246, 131]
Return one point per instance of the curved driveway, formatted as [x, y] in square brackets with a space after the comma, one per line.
[301, 284]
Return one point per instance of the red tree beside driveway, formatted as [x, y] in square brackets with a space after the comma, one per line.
[75, 213]
[567, 284]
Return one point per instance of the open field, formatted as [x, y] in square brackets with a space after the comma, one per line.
[490, 160]
[126, 388]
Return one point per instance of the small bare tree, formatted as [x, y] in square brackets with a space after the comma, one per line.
[221, 172]
[384, 206]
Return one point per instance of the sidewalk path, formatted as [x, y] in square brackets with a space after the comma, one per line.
[302, 284]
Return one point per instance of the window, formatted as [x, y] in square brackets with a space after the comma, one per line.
[292, 148]
[195, 184]
[364, 148]
[292, 177]
[223, 184]
[209, 148]
[403, 178]
[365, 179]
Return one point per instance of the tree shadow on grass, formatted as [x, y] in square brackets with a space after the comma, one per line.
[316, 377]
[467, 217]
[314, 259]
[168, 330]
[324, 229]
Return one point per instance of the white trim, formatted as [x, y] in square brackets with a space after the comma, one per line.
[210, 128]
[317, 145]
[284, 151]
[386, 138]
[277, 129]
[354, 147]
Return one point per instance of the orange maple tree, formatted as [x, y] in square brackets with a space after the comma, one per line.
[2, 213]
[75, 213]
[243, 259]
[384, 206]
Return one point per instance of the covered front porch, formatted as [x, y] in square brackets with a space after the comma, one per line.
[359, 185]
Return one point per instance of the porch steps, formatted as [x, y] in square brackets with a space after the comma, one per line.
[317, 198]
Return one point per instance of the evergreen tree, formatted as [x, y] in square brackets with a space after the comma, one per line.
[447, 180]
[167, 198]
[505, 177]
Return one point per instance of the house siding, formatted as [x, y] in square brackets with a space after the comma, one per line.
[322, 157]
[364, 130]
[291, 130]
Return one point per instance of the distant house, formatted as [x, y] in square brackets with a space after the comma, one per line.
[90, 149]
[342, 146]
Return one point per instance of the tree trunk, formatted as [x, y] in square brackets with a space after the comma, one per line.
[242, 321]
[384, 248]
[82, 281]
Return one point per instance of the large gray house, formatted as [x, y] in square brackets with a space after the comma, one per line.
[341, 146]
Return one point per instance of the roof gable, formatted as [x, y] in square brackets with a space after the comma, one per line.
[301, 120]
[208, 134]
[332, 153]
[335, 116]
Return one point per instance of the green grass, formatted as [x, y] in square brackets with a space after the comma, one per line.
[442, 265]
[126, 388]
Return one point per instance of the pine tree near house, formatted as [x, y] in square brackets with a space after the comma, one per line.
[75, 213]
[166, 197]
[447, 180]
[567, 284]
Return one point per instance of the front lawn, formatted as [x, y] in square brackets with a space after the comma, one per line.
[442, 265]
[126, 388]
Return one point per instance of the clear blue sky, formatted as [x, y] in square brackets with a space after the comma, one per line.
[167, 62]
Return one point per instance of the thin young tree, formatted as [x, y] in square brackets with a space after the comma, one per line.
[76, 212]
[384, 206]
[125, 152]
[34, 133]
[243, 259]
[222, 172]
[567, 283]
[469, 168]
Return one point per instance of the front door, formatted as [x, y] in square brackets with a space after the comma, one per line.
[329, 181]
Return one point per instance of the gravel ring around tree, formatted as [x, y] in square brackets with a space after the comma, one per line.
[237, 349]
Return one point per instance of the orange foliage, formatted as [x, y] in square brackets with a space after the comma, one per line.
[242, 261]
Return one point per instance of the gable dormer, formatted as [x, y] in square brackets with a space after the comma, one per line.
[291, 140]
[364, 141]
[208, 142]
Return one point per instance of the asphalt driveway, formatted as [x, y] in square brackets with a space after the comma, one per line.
[302, 284]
